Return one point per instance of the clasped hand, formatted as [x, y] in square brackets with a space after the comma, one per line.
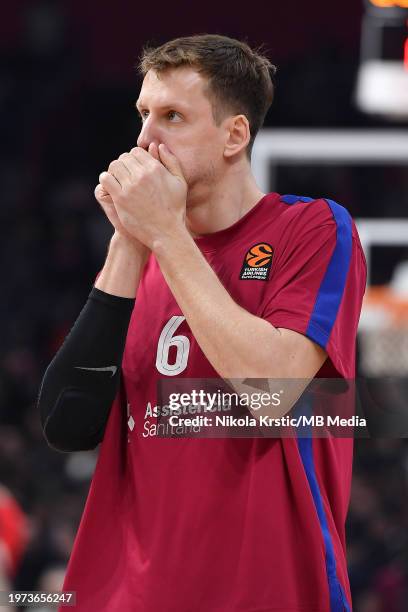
[146, 192]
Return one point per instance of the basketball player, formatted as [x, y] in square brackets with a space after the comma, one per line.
[206, 277]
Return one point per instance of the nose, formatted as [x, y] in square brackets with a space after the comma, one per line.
[148, 134]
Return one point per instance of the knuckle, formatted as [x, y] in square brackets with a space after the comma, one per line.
[111, 166]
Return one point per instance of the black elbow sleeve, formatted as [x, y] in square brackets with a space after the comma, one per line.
[82, 380]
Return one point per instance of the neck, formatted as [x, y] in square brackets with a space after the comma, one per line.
[222, 205]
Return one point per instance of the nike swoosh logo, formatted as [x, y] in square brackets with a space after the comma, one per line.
[106, 369]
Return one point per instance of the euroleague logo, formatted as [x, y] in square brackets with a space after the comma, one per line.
[257, 263]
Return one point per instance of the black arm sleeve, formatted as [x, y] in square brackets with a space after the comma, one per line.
[81, 381]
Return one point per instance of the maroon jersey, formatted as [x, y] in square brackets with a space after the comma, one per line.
[231, 524]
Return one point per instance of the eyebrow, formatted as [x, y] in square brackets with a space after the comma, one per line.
[165, 107]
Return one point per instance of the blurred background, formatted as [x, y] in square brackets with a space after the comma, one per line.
[67, 92]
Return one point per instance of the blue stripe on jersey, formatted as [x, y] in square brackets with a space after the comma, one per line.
[324, 315]
[338, 601]
[292, 199]
[331, 290]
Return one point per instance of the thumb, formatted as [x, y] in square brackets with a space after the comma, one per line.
[170, 161]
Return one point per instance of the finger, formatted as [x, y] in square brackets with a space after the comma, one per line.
[119, 171]
[154, 151]
[102, 195]
[143, 157]
[170, 161]
[130, 163]
[110, 184]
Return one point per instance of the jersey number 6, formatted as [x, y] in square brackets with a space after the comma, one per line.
[166, 340]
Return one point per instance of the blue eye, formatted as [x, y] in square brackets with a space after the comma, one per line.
[173, 115]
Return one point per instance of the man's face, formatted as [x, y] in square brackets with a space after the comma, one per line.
[175, 111]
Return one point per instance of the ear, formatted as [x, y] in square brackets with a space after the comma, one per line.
[238, 135]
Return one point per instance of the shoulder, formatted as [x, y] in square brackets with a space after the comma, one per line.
[319, 210]
[301, 214]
